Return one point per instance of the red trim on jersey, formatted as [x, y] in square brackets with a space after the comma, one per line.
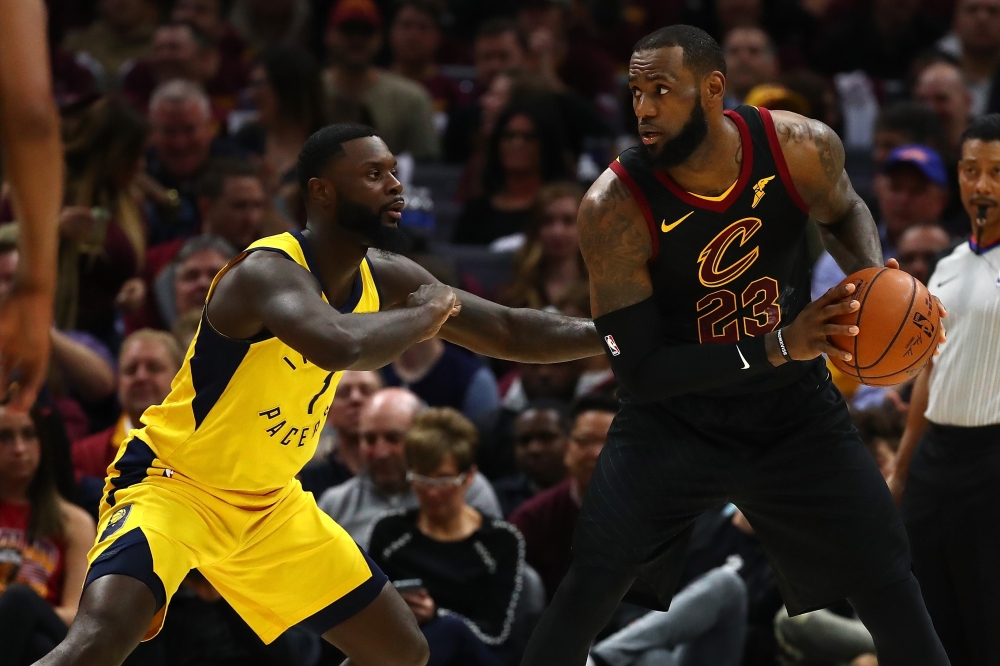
[779, 159]
[640, 198]
[722, 205]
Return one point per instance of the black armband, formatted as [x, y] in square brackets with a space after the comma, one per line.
[650, 368]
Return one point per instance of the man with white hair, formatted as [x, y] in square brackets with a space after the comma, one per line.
[382, 486]
[182, 142]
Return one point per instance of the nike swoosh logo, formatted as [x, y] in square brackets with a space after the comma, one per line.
[664, 227]
[943, 282]
[742, 358]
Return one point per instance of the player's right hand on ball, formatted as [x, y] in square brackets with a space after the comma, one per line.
[807, 336]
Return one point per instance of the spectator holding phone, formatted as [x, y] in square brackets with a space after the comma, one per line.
[470, 566]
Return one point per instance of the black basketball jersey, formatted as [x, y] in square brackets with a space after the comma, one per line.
[730, 267]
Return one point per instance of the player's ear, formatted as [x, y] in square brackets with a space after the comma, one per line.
[714, 87]
[322, 192]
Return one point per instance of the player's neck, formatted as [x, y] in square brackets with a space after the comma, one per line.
[714, 165]
[337, 257]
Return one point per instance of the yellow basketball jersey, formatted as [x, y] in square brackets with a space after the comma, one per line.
[242, 416]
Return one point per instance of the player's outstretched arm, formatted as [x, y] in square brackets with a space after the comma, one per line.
[266, 291]
[616, 246]
[513, 334]
[815, 157]
[33, 164]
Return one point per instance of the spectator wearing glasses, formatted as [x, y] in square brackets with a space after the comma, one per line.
[540, 434]
[382, 486]
[548, 520]
[469, 565]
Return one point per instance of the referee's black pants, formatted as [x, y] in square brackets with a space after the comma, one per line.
[951, 513]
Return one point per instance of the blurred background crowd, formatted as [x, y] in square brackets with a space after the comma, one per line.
[182, 121]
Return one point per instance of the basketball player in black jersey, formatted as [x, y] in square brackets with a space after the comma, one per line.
[695, 243]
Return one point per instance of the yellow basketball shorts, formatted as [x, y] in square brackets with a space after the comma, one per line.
[279, 566]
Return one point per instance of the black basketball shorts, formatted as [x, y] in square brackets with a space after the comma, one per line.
[789, 458]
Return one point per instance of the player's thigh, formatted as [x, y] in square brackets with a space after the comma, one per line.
[295, 565]
[653, 478]
[156, 534]
[384, 633]
[823, 512]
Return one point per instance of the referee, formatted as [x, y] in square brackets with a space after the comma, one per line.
[949, 459]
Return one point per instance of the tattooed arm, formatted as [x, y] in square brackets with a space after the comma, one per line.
[815, 157]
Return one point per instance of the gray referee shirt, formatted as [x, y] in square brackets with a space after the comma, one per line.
[965, 382]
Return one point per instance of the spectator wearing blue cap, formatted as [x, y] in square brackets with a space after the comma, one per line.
[914, 192]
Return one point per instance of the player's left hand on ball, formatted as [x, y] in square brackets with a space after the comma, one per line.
[892, 263]
[808, 336]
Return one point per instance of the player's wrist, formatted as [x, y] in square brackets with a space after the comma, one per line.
[773, 349]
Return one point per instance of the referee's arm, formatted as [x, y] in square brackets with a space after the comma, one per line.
[916, 426]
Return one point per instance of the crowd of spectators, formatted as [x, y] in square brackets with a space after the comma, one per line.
[463, 476]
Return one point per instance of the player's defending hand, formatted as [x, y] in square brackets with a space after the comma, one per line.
[808, 336]
[25, 319]
[440, 299]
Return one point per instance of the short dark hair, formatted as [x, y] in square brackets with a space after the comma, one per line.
[496, 26]
[593, 402]
[915, 119]
[984, 128]
[551, 405]
[431, 8]
[324, 145]
[212, 183]
[702, 54]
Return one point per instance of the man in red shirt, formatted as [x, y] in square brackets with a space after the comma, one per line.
[146, 365]
[548, 519]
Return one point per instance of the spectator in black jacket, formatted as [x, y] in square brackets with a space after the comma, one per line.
[468, 565]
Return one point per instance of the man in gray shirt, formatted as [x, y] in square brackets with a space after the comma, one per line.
[381, 486]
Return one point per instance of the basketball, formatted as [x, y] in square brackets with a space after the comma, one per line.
[899, 326]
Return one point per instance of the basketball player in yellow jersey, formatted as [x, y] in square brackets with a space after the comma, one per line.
[209, 481]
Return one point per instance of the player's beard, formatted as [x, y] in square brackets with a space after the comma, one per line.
[678, 149]
[368, 224]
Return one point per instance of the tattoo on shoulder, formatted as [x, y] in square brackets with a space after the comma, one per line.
[829, 148]
[616, 246]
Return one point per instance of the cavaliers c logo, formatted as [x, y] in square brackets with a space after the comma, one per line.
[711, 272]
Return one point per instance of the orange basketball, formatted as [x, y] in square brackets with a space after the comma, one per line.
[899, 326]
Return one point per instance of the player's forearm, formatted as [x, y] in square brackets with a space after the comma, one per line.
[537, 336]
[853, 240]
[650, 368]
[521, 334]
[29, 137]
[372, 340]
